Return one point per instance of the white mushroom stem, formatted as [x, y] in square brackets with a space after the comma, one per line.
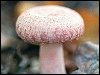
[52, 59]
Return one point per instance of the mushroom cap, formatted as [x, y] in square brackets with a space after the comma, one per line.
[49, 24]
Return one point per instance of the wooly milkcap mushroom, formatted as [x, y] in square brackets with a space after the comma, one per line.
[50, 26]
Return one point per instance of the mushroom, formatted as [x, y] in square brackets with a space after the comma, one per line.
[50, 26]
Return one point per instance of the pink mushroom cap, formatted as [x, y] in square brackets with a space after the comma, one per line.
[49, 24]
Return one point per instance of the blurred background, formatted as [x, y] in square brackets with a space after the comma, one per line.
[19, 57]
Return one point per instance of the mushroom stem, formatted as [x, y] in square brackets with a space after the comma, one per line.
[52, 59]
